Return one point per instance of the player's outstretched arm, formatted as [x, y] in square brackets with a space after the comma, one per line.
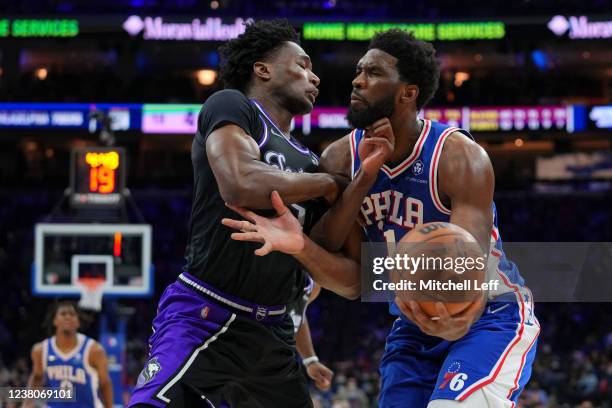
[332, 230]
[283, 233]
[99, 362]
[244, 180]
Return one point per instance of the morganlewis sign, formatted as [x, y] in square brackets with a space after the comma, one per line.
[579, 27]
[211, 29]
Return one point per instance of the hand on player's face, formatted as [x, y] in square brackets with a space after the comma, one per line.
[282, 233]
[448, 327]
[376, 146]
[320, 374]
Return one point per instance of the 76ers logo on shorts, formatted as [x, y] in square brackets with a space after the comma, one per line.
[149, 372]
[453, 378]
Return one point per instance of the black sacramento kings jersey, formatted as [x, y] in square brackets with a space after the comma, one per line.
[231, 266]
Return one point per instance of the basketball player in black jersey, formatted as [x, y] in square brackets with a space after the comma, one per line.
[222, 333]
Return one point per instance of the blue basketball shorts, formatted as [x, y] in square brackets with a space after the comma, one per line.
[495, 357]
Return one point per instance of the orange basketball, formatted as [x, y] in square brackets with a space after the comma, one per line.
[447, 273]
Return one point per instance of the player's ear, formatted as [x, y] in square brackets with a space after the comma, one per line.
[409, 93]
[262, 70]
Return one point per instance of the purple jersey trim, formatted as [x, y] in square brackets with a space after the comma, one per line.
[304, 150]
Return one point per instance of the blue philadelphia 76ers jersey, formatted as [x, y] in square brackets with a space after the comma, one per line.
[407, 195]
[71, 370]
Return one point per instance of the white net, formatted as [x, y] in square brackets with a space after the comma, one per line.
[91, 294]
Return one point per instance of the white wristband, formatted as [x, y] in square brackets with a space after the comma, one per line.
[309, 360]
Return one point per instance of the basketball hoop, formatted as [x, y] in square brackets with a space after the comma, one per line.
[91, 293]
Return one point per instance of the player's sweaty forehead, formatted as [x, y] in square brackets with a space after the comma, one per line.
[377, 59]
[291, 51]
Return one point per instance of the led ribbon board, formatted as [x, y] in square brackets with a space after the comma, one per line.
[338, 31]
[39, 28]
[170, 118]
[68, 115]
[475, 119]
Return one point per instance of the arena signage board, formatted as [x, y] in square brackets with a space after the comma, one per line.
[575, 166]
[211, 29]
[507, 118]
[68, 115]
[601, 116]
[170, 118]
[477, 119]
[579, 27]
[356, 31]
[39, 28]
[183, 118]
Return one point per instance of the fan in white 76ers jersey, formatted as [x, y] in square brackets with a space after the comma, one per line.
[71, 360]
[405, 171]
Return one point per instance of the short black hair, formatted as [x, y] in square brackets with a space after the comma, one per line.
[416, 61]
[256, 43]
[52, 311]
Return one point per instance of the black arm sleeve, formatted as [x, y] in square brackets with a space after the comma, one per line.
[225, 107]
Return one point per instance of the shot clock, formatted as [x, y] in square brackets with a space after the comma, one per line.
[97, 176]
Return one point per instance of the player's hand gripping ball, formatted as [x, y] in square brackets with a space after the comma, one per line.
[451, 269]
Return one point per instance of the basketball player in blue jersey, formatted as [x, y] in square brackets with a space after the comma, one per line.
[406, 171]
[70, 359]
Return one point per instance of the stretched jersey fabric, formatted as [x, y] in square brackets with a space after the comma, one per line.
[71, 370]
[407, 195]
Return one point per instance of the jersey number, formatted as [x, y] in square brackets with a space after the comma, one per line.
[458, 382]
[390, 239]
[390, 236]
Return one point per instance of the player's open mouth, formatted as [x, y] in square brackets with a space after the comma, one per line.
[312, 96]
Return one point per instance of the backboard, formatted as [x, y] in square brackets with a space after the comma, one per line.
[118, 253]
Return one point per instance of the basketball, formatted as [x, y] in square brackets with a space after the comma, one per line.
[451, 277]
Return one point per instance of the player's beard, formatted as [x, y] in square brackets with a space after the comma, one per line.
[363, 118]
